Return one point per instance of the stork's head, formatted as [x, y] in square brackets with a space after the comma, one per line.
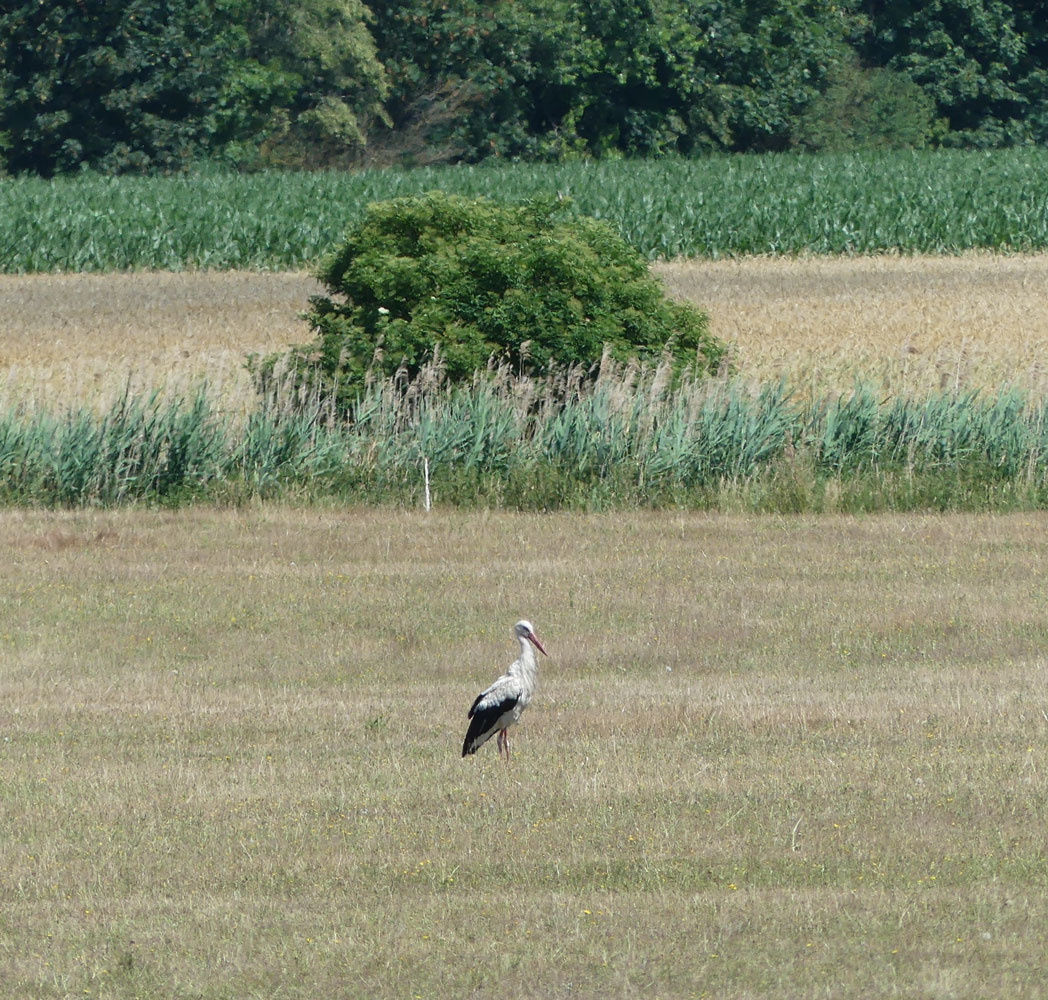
[524, 630]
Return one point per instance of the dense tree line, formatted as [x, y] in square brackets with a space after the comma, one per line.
[132, 85]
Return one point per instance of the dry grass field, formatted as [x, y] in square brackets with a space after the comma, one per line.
[904, 324]
[83, 338]
[768, 758]
[901, 323]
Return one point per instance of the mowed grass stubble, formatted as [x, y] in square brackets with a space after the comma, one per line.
[768, 757]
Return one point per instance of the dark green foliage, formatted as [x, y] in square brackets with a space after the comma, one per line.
[1032, 85]
[976, 59]
[149, 85]
[154, 84]
[121, 87]
[867, 109]
[471, 282]
[763, 63]
[455, 72]
[306, 87]
[555, 78]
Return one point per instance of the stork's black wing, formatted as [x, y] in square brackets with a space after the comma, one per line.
[484, 714]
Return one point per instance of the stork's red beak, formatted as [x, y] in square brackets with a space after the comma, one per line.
[534, 640]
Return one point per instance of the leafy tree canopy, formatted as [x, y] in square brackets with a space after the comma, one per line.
[308, 86]
[122, 85]
[154, 84]
[549, 78]
[110, 84]
[969, 56]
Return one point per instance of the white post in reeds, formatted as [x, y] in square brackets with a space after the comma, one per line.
[425, 479]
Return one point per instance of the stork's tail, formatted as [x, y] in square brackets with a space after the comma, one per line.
[475, 737]
[470, 744]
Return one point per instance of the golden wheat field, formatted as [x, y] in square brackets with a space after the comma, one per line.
[905, 324]
[83, 338]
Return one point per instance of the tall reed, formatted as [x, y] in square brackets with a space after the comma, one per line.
[627, 437]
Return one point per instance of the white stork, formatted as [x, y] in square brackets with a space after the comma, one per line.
[500, 706]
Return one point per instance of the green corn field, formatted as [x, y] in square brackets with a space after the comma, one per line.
[911, 202]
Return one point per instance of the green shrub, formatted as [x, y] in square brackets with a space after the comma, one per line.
[867, 109]
[472, 283]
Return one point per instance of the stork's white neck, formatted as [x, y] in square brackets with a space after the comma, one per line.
[527, 665]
